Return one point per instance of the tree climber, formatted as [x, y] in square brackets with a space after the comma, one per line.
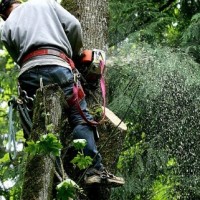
[43, 39]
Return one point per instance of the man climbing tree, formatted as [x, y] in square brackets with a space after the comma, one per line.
[45, 41]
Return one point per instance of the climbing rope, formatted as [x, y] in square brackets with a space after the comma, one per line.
[11, 130]
[24, 112]
[25, 120]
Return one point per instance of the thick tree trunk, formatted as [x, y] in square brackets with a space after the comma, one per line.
[39, 172]
[93, 16]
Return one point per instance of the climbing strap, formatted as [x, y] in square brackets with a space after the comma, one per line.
[48, 51]
[11, 130]
[76, 96]
[23, 110]
[21, 106]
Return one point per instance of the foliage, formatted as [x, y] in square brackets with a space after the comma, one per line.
[9, 171]
[67, 189]
[79, 144]
[148, 171]
[11, 176]
[139, 16]
[47, 145]
[151, 21]
[191, 33]
[7, 89]
[163, 188]
[191, 39]
[163, 119]
[80, 160]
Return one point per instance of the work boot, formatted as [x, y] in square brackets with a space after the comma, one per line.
[102, 177]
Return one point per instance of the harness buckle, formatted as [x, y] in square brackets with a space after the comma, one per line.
[76, 77]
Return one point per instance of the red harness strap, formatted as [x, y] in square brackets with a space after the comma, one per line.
[46, 51]
[78, 93]
[76, 96]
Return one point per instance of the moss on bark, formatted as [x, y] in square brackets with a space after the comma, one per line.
[37, 180]
[39, 173]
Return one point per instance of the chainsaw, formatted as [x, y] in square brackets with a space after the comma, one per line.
[93, 63]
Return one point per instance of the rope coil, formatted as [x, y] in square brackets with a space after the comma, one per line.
[11, 130]
[16, 104]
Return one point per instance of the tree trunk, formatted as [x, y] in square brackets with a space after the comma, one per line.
[39, 172]
[93, 16]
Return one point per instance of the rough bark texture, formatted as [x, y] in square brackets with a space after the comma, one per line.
[38, 179]
[92, 15]
[39, 172]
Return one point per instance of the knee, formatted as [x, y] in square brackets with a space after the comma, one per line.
[82, 131]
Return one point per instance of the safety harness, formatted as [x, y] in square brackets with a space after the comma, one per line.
[78, 93]
[50, 51]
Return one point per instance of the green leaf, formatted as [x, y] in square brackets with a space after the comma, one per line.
[32, 148]
[5, 158]
[81, 161]
[48, 144]
[20, 135]
[79, 144]
[66, 189]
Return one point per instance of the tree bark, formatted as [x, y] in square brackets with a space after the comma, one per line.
[39, 172]
[93, 16]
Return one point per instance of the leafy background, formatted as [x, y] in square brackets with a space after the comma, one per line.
[153, 81]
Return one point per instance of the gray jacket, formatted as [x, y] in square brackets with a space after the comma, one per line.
[38, 23]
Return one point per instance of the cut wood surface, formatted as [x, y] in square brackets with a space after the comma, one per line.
[116, 121]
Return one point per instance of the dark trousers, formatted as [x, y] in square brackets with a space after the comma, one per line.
[30, 82]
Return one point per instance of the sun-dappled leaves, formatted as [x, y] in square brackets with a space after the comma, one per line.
[47, 145]
[79, 144]
[80, 160]
[67, 189]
